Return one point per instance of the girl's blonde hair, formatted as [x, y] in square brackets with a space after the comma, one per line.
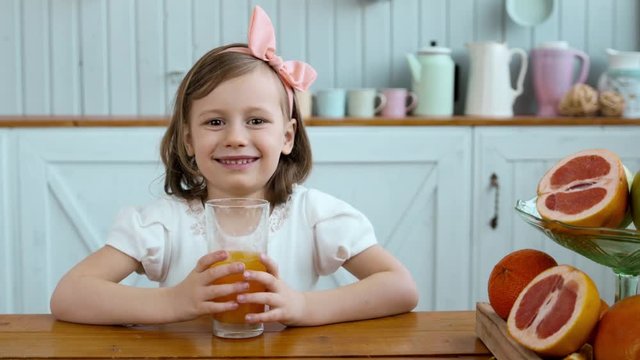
[182, 177]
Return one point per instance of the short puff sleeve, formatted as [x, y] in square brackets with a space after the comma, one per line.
[340, 231]
[143, 234]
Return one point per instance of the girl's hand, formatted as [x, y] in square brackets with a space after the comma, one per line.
[194, 295]
[286, 305]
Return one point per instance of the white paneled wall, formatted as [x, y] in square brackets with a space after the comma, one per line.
[124, 57]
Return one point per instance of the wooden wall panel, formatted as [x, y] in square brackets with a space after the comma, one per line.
[151, 73]
[120, 57]
[349, 37]
[65, 57]
[321, 36]
[178, 47]
[94, 57]
[35, 56]
[11, 82]
[292, 39]
[405, 38]
[206, 29]
[377, 44]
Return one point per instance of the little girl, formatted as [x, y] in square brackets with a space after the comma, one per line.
[236, 132]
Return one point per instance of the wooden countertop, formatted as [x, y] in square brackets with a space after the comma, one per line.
[124, 121]
[434, 335]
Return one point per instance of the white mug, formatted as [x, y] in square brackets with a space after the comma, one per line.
[305, 102]
[362, 102]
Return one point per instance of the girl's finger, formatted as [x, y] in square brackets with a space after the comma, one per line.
[265, 298]
[272, 315]
[211, 307]
[270, 264]
[216, 291]
[217, 272]
[209, 259]
[265, 278]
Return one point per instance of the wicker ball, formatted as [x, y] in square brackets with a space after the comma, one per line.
[581, 100]
[611, 103]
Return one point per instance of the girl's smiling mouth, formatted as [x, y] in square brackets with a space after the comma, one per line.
[237, 162]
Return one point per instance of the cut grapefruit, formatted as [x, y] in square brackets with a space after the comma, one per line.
[588, 189]
[556, 312]
[618, 333]
[512, 274]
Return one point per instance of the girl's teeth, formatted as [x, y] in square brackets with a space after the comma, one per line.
[236, 162]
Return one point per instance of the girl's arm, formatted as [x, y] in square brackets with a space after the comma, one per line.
[385, 288]
[90, 292]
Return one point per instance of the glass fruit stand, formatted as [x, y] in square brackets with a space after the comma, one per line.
[618, 249]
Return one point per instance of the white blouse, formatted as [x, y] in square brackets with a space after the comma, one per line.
[311, 234]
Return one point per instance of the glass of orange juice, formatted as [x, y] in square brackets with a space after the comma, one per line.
[241, 227]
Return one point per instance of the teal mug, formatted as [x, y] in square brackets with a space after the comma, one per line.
[330, 103]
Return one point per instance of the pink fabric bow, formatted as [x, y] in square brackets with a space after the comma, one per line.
[262, 45]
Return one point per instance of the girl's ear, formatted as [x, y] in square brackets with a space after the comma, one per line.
[188, 141]
[289, 135]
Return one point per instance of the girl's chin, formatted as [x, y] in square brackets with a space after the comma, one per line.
[237, 191]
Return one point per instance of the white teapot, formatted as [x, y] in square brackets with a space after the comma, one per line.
[433, 80]
[489, 92]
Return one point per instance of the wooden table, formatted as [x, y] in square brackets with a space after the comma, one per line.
[433, 335]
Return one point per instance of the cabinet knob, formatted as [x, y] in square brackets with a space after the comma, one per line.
[493, 183]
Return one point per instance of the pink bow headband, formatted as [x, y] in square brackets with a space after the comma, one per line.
[262, 45]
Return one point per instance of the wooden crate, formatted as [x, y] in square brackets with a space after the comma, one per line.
[492, 330]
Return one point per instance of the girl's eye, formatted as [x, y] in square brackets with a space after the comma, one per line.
[214, 122]
[256, 121]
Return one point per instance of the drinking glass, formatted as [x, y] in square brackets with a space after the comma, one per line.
[241, 227]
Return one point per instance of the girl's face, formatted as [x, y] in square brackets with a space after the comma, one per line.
[237, 133]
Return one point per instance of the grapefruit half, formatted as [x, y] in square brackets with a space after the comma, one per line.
[555, 314]
[587, 189]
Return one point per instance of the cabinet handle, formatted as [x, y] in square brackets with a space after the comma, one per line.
[493, 183]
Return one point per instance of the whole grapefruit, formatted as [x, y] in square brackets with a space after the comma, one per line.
[512, 274]
[618, 332]
[588, 188]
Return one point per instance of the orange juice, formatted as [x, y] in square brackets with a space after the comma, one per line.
[251, 261]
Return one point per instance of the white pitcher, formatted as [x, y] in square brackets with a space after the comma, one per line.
[489, 92]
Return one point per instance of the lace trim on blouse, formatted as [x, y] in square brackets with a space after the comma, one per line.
[195, 209]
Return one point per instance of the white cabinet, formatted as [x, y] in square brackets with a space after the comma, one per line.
[412, 183]
[72, 181]
[519, 157]
[69, 184]
[426, 190]
[7, 268]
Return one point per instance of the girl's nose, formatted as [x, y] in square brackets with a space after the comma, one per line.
[236, 135]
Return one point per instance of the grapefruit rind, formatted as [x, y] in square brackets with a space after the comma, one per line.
[571, 335]
[609, 212]
[635, 200]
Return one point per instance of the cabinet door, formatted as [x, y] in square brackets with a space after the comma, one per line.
[72, 182]
[519, 157]
[7, 221]
[413, 184]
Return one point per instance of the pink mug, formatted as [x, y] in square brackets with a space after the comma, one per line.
[399, 102]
